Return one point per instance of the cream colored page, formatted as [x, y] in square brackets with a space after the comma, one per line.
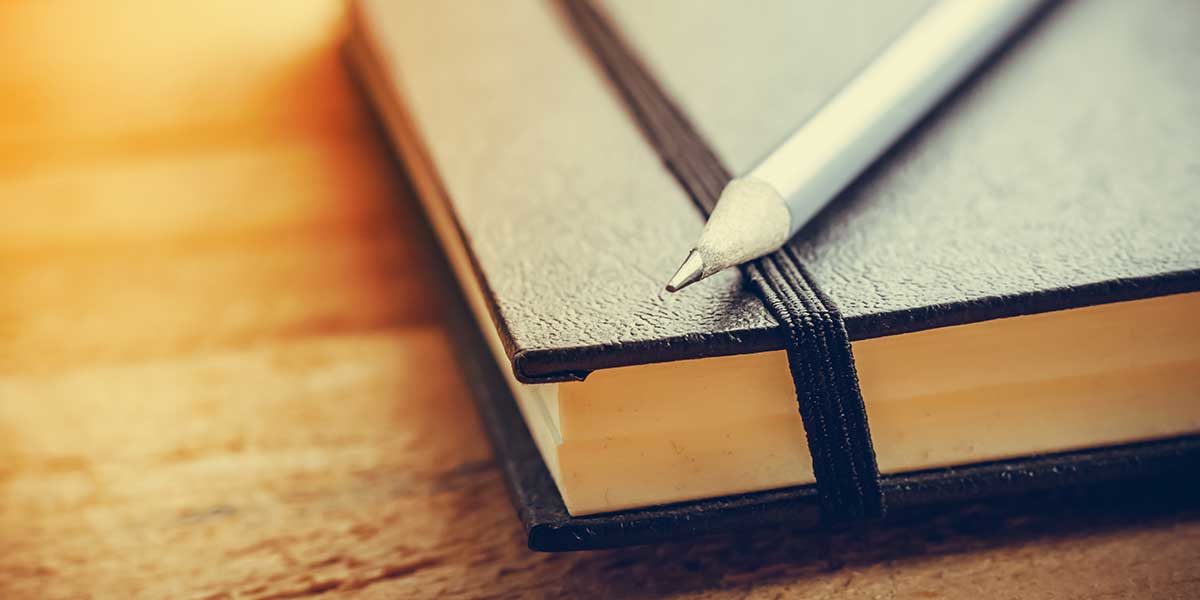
[713, 456]
[1093, 340]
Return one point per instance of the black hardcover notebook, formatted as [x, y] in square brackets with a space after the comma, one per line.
[1019, 277]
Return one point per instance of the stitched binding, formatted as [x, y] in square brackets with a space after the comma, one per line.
[818, 349]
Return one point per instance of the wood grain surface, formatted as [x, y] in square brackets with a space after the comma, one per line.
[223, 372]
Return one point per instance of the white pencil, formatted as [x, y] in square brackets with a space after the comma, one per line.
[758, 212]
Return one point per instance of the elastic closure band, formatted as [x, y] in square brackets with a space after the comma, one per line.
[827, 392]
[818, 349]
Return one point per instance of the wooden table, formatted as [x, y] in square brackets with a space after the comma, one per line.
[223, 372]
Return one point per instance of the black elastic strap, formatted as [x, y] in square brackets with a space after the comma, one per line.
[818, 348]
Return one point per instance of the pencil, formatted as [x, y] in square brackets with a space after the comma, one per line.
[761, 210]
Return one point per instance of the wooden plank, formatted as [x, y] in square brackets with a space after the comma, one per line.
[223, 374]
[313, 183]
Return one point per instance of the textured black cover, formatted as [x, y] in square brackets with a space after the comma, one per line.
[1064, 175]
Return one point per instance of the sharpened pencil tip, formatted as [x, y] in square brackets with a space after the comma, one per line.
[691, 271]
